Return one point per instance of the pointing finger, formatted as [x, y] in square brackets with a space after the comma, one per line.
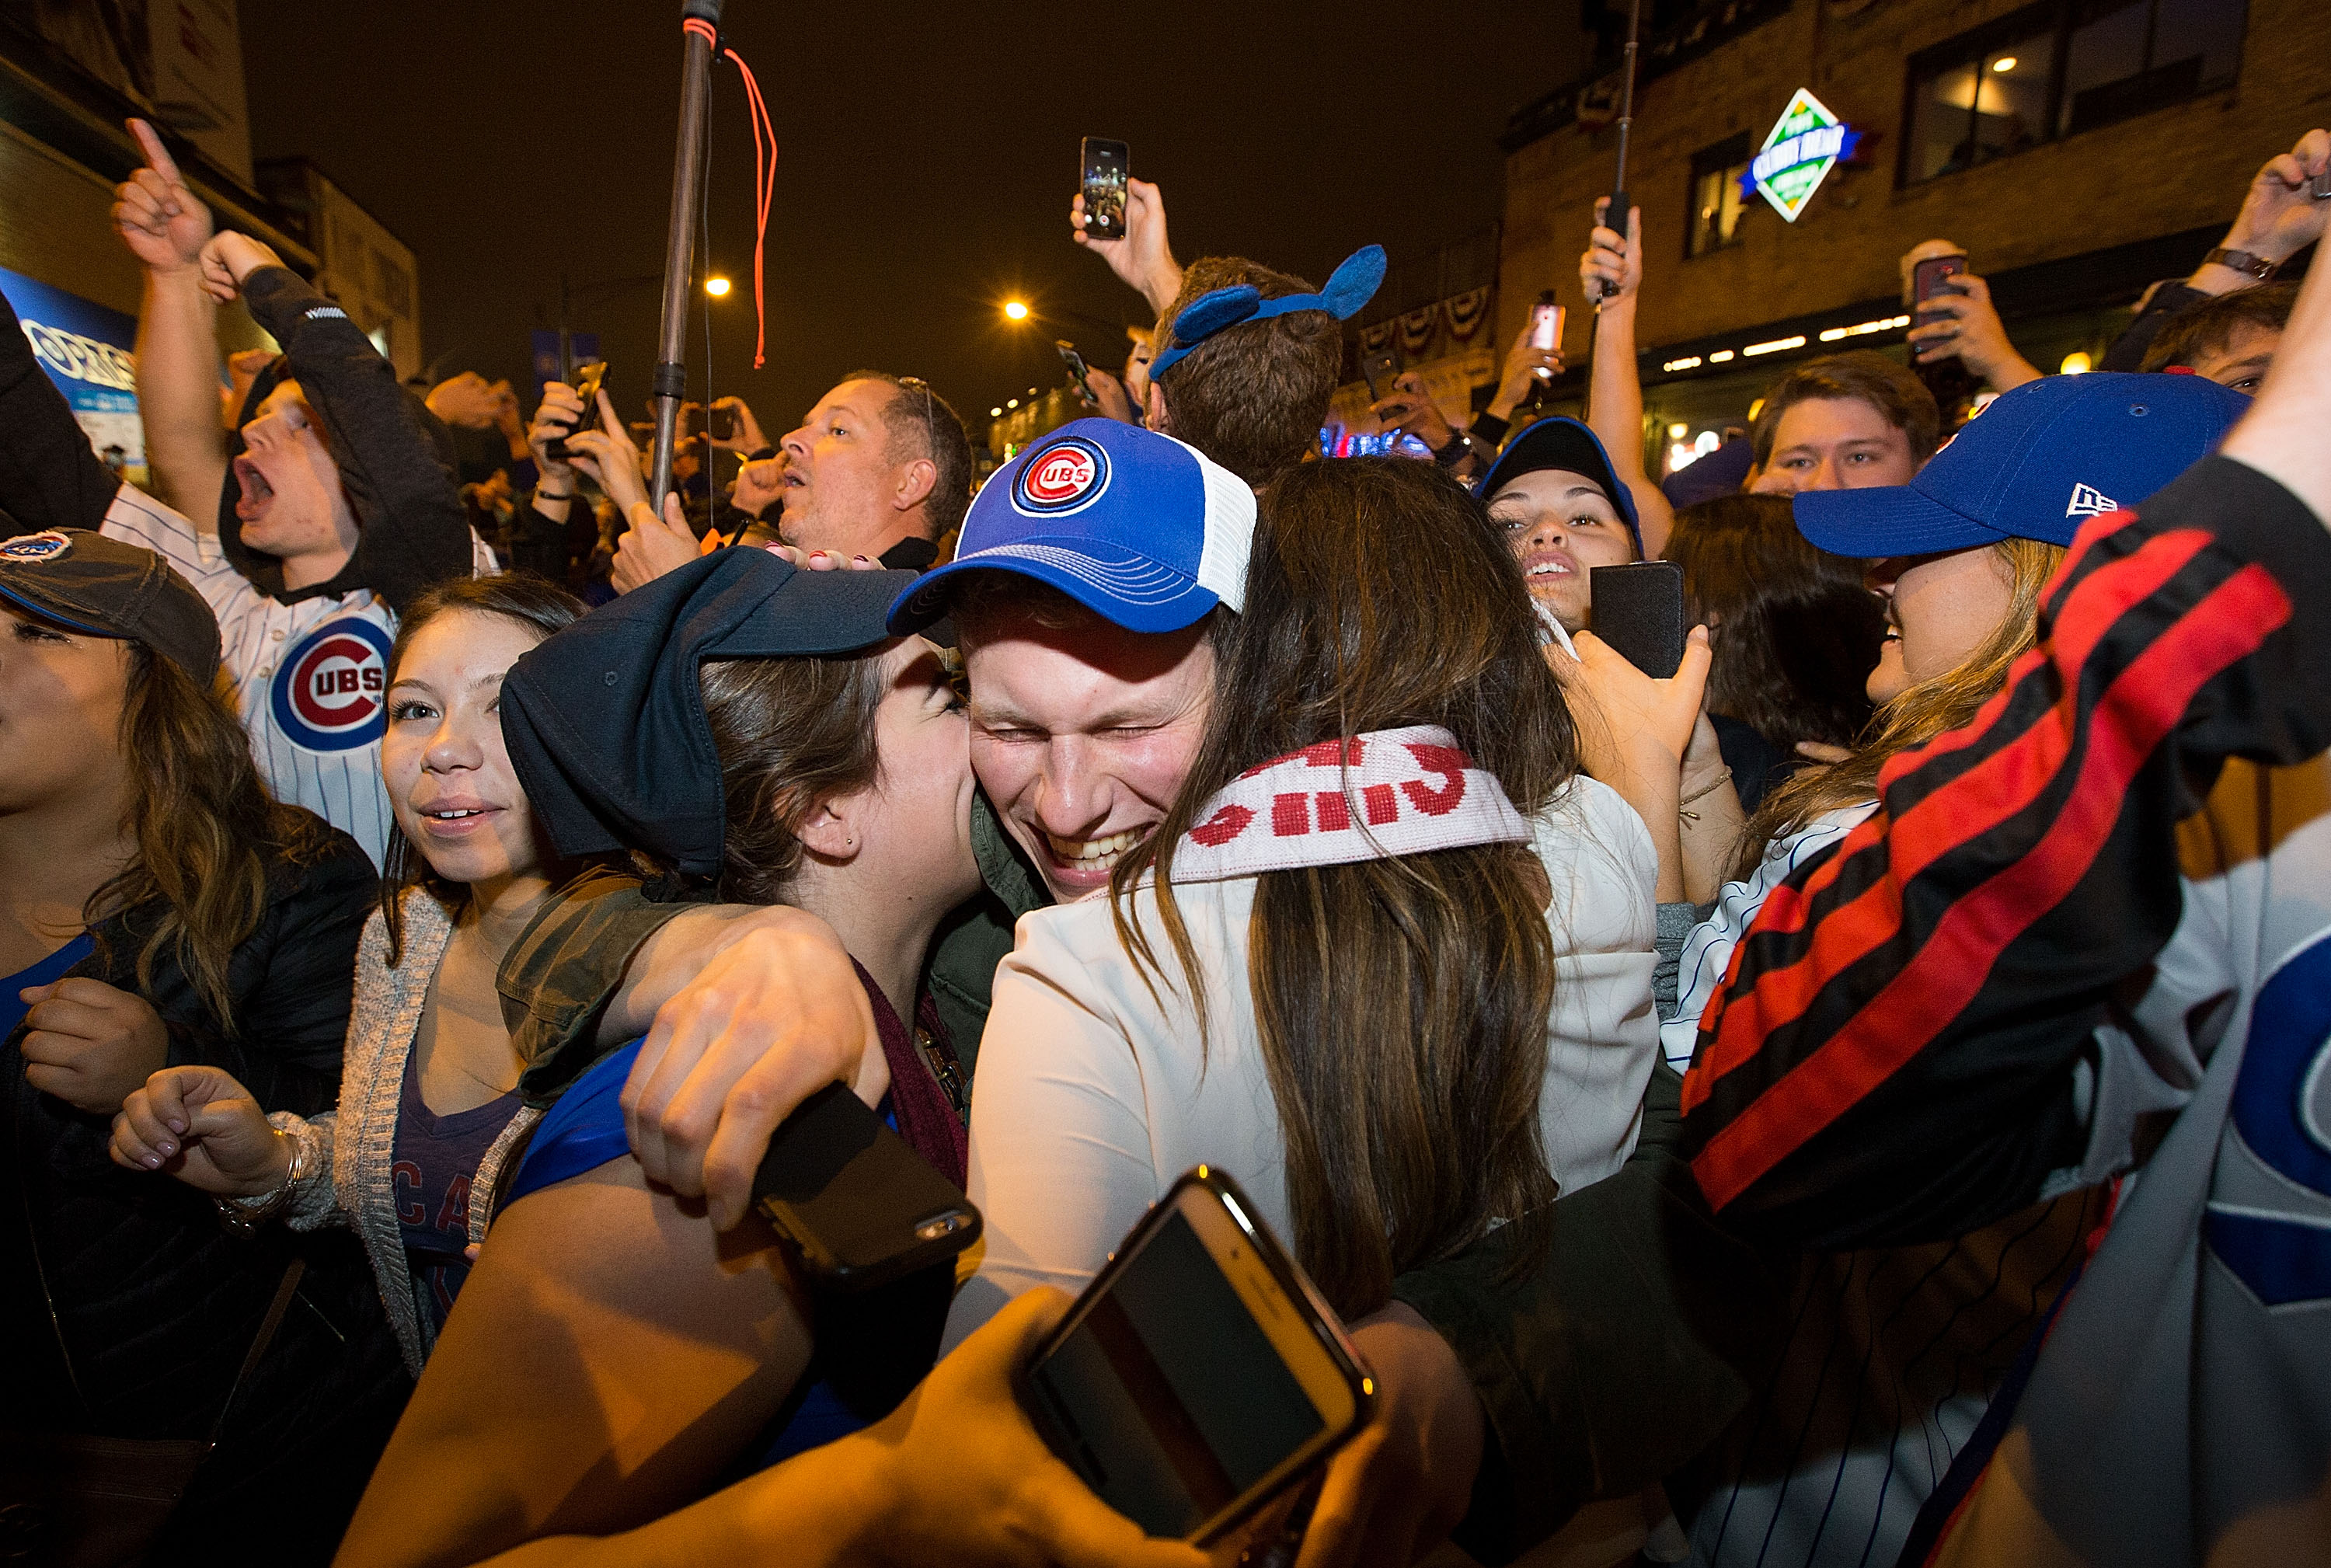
[149, 142]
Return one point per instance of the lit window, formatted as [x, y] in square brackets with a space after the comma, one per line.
[1714, 221]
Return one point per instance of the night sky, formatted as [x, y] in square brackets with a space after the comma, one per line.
[929, 158]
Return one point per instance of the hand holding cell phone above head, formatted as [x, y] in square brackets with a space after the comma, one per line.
[1141, 256]
[1612, 268]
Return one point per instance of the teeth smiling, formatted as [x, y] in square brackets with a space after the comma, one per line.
[450, 816]
[1095, 854]
[1549, 569]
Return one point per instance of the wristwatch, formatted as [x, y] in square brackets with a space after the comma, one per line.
[2258, 267]
[1450, 456]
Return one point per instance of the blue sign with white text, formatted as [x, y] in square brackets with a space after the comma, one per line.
[89, 352]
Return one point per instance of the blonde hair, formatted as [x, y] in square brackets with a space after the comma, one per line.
[1917, 715]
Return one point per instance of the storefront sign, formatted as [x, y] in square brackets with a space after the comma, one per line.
[89, 351]
[1803, 145]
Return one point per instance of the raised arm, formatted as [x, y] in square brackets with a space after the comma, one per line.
[415, 532]
[165, 227]
[1614, 387]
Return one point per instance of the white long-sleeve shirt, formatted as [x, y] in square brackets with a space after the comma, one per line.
[1093, 1096]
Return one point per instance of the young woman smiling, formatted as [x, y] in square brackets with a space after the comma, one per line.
[430, 1076]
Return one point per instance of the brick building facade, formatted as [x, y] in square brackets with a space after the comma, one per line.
[2107, 145]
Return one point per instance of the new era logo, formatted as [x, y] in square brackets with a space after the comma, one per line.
[2087, 501]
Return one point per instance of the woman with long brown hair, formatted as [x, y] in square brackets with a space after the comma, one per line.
[156, 906]
[430, 1071]
[1386, 960]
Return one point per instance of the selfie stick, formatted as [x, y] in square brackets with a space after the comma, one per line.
[1614, 216]
[701, 26]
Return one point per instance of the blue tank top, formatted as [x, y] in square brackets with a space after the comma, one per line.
[53, 968]
[436, 1160]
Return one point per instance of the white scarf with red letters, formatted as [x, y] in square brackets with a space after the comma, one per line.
[1389, 791]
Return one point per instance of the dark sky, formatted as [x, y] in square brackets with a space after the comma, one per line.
[928, 158]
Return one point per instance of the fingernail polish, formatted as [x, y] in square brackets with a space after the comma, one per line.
[153, 1162]
[168, 1149]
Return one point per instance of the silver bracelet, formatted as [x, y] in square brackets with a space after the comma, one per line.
[244, 1217]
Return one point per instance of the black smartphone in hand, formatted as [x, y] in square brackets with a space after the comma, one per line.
[861, 1208]
[589, 377]
[1637, 609]
[1380, 368]
[1102, 175]
[1199, 1375]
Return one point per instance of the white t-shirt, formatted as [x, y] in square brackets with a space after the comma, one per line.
[310, 678]
[1092, 1098]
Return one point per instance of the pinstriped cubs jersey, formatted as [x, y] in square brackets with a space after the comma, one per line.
[310, 676]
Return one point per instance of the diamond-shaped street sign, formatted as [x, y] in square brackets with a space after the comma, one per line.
[1803, 145]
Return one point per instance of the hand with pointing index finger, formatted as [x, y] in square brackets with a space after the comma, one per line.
[163, 224]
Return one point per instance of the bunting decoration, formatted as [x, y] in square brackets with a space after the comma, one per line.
[1466, 312]
[1416, 330]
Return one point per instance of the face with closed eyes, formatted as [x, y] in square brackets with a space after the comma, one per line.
[1560, 526]
[456, 797]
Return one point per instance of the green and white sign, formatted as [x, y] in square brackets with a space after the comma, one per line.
[1803, 145]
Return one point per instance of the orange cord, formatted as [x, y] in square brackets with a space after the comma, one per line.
[765, 177]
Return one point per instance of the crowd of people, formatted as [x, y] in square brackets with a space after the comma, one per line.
[1857, 1099]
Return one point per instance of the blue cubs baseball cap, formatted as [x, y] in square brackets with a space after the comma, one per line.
[1560, 442]
[2036, 464]
[1139, 528]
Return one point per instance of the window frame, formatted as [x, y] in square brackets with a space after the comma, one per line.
[1716, 158]
[2060, 19]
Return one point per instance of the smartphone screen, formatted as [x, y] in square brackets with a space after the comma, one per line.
[1545, 325]
[1188, 1380]
[1380, 366]
[1103, 178]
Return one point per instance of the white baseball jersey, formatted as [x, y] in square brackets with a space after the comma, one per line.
[310, 678]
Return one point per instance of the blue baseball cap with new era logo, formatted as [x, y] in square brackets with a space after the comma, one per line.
[2036, 464]
[1138, 528]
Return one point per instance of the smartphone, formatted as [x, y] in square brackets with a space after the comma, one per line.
[1545, 322]
[1928, 278]
[1637, 609]
[1078, 371]
[589, 377]
[1380, 366]
[861, 1208]
[721, 422]
[1201, 1374]
[1103, 176]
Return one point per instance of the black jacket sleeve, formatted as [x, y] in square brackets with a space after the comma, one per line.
[1891, 1058]
[49, 476]
[2127, 351]
[414, 530]
[294, 982]
[531, 542]
[1608, 1360]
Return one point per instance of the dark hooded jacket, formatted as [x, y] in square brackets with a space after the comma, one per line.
[394, 457]
[156, 1302]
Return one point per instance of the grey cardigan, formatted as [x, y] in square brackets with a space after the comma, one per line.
[355, 1144]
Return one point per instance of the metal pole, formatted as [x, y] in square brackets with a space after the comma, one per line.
[1614, 216]
[670, 379]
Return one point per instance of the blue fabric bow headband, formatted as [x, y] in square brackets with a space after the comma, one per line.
[1352, 285]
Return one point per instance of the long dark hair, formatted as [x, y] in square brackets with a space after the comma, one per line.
[1401, 1003]
[1794, 632]
[206, 830]
[521, 596]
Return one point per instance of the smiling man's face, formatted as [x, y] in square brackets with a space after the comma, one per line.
[1082, 733]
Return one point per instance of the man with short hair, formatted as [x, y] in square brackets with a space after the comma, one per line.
[1844, 421]
[2228, 338]
[881, 468]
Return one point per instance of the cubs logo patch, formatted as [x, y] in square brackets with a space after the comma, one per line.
[45, 545]
[330, 692]
[1066, 476]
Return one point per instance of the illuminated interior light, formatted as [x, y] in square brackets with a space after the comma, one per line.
[995, 413]
[1678, 431]
[1690, 362]
[2076, 363]
[1720, 356]
[2004, 65]
[1775, 346]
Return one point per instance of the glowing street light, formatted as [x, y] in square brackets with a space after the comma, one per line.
[995, 413]
[715, 286]
[1016, 310]
[1011, 402]
[2004, 65]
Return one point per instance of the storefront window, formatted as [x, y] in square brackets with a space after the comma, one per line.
[2059, 69]
[1715, 200]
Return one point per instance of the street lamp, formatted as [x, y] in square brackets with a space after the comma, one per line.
[715, 286]
[1016, 310]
